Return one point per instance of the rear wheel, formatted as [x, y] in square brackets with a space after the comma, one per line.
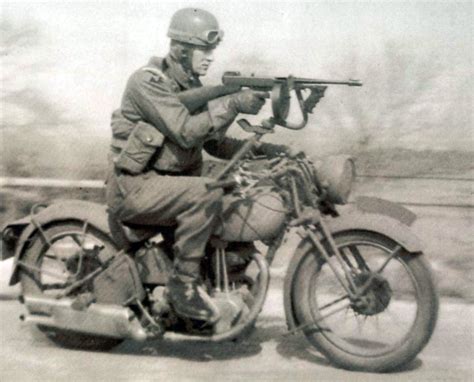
[63, 253]
[392, 321]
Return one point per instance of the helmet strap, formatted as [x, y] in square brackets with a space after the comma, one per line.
[183, 54]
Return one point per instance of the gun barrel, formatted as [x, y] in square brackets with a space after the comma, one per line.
[327, 82]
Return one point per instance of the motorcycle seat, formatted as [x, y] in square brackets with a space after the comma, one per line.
[137, 233]
[125, 234]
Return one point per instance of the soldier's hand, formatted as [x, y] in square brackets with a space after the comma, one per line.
[249, 101]
[313, 99]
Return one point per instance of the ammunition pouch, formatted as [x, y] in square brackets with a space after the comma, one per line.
[141, 145]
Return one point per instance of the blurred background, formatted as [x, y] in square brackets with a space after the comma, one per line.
[64, 66]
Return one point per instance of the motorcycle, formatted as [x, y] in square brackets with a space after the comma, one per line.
[358, 285]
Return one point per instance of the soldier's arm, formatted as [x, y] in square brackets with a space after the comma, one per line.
[159, 105]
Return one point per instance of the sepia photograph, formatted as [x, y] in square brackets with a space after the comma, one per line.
[236, 190]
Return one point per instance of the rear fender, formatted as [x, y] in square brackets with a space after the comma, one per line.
[10, 237]
[95, 214]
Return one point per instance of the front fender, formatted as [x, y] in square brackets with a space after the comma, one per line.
[385, 207]
[94, 213]
[386, 225]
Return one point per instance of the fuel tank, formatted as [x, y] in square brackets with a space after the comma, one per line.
[261, 215]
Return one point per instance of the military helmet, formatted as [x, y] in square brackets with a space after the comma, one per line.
[195, 26]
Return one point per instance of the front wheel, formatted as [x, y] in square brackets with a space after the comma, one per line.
[384, 329]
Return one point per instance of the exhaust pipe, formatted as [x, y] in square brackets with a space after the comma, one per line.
[99, 319]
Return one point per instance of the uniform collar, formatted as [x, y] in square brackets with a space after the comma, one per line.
[175, 71]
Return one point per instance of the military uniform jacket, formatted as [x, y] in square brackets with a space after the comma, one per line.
[150, 98]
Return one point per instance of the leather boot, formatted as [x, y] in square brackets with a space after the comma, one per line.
[189, 299]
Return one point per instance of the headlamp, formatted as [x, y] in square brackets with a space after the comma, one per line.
[336, 174]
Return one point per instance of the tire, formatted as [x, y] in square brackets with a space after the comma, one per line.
[339, 340]
[32, 281]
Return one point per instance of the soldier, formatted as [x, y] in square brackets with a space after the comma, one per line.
[157, 152]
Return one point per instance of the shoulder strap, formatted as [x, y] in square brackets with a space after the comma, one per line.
[154, 70]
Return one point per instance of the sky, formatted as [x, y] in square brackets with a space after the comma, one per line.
[66, 64]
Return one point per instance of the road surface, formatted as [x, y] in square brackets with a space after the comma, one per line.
[26, 355]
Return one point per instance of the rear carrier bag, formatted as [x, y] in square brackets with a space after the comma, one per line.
[120, 283]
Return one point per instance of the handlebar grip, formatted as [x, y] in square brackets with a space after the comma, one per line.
[244, 124]
[265, 128]
[220, 184]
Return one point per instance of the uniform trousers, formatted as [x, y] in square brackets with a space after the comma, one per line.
[164, 200]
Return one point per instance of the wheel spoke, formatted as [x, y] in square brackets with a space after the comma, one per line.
[81, 253]
[41, 271]
[359, 324]
[75, 237]
[54, 257]
[333, 302]
[394, 318]
[390, 257]
[377, 323]
[358, 257]
[346, 259]
[54, 286]
[314, 325]
[364, 321]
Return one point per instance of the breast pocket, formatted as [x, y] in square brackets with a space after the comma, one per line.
[141, 145]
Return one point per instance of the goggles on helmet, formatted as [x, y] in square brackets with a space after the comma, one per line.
[205, 38]
[212, 36]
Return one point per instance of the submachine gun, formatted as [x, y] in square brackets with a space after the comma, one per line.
[280, 89]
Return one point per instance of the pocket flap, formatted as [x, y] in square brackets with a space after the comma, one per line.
[148, 134]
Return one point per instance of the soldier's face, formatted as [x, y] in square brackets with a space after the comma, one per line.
[202, 59]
